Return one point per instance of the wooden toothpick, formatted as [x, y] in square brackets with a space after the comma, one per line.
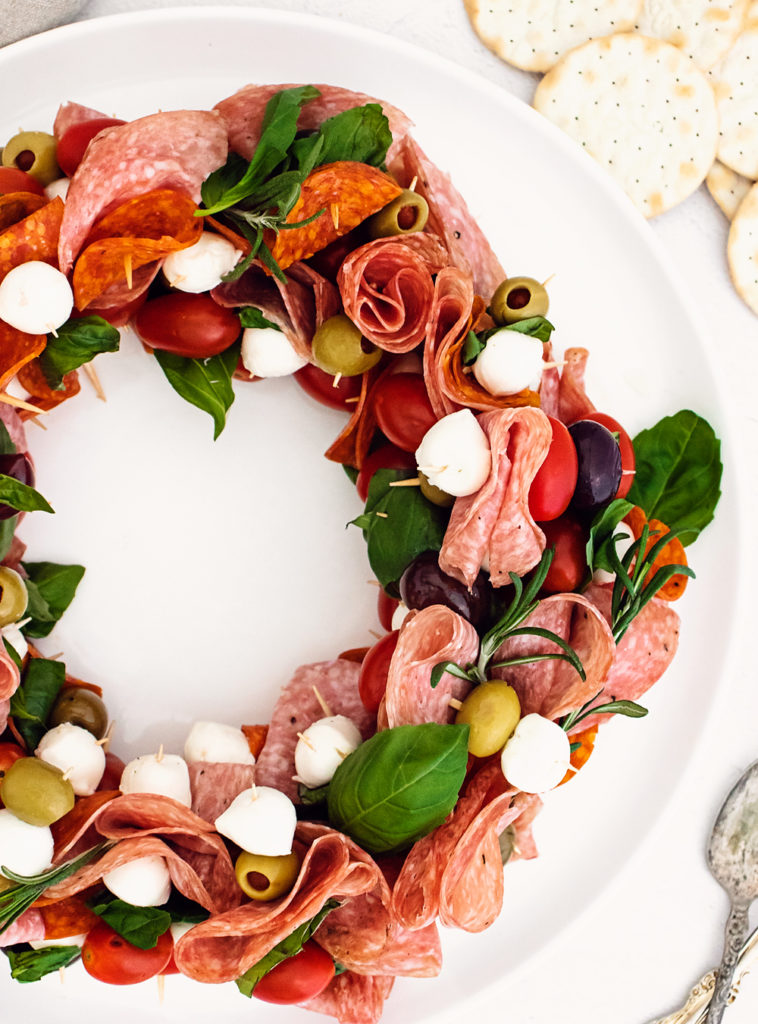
[20, 403]
[306, 741]
[415, 482]
[94, 380]
[161, 988]
[555, 364]
[355, 398]
[324, 706]
[412, 186]
[337, 379]
[159, 755]
[128, 269]
[334, 210]
[382, 515]
[455, 703]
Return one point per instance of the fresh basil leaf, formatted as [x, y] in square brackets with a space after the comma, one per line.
[222, 179]
[627, 708]
[7, 447]
[311, 797]
[51, 589]
[399, 785]
[361, 134]
[574, 747]
[7, 529]
[250, 316]
[338, 969]
[351, 473]
[534, 326]
[21, 496]
[601, 535]
[28, 888]
[283, 950]
[34, 699]
[13, 654]
[205, 383]
[678, 473]
[76, 342]
[29, 965]
[141, 926]
[472, 347]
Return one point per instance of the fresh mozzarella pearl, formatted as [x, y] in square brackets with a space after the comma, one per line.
[12, 633]
[35, 298]
[622, 546]
[68, 940]
[58, 188]
[537, 755]
[260, 820]
[24, 849]
[167, 777]
[455, 454]
[509, 362]
[179, 929]
[267, 352]
[76, 752]
[144, 882]
[200, 267]
[212, 741]
[323, 747]
[399, 615]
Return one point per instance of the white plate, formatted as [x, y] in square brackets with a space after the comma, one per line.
[214, 569]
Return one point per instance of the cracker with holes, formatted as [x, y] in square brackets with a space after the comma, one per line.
[727, 187]
[742, 249]
[736, 88]
[703, 29]
[642, 109]
[534, 34]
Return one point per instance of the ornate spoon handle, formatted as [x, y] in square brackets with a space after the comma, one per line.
[737, 930]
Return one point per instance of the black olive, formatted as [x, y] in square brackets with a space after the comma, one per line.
[423, 584]
[599, 458]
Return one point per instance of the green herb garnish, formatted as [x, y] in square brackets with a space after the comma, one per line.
[33, 700]
[74, 343]
[205, 383]
[30, 965]
[535, 326]
[141, 926]
[51, 588]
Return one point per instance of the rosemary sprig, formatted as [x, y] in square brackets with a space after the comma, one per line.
[628, 708]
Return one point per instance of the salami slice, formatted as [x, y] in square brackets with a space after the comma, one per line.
[71, 113]
[31, 377]
[173, 149]
[450, 320]
[33, 238]
[5, 707]
[353, 998]
[14, 206]
[10, 676]
[214, 786]
[435, 634]
[16, 350]
[495, 520]
[573, 402]
[75, 832]
[67, 917]
[298, 707]
[30, 925]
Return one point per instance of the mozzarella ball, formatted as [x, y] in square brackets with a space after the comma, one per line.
[455, 454]
[35, 298]
[399, 615]
[76, 752]
[222, 744]
[58, 189]
[144, 882]
[537, 755]
[168, 776]
[260, 820]
[267, 352]
[200, 267]
[68, 940]
[509, 362]
[622, 546]
[179, 929]
[24, 849]
[13, 635]
[323, 747]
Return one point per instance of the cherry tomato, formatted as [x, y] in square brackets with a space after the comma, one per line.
[554, 484]
[386, 457]
[372, 682]
[187, 325]
[385, 608]
[320, 385]
[9, 752]
[625, 446]
[14, 180]
[109, 958]
[569, 565]
[403, 410]
[72, 144]
[114, 769]
[301, 977]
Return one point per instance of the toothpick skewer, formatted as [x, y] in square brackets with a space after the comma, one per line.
[415, 482]
[374, 583]
[547, 281]
[324, 706]
[412, 186]
[306, 741]
[159, 755]
[378, 636]
[20, 403]
[556, 364]
[355, 398]
[455, 703]
[382, 515]
[105, 742]
[128, 269]
[334, 210]
[62, 975]
[337, 379]
[37, 423]
[161, 988]
[94, 380]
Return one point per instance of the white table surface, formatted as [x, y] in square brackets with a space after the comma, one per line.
[635, 952]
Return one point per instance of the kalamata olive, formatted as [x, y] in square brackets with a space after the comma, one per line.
[339, 348]
[423, 584]
[492, 711]
[20, 468]
[33, 152]
[407, 213]
[13, 596]
[36, 792]
[599, 460]
[518, 298]
[78, 706]
[435, 494]
[266, 878]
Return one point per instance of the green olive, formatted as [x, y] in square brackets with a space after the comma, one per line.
[340, 348]
[81, 707]
[33, 152]
[266, 878]
[492, 711]
[518, 298]
[435, 494]
[13, 596]
[36, 792]
[407, 213]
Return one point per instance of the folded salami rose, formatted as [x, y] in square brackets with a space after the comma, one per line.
[215, 785]
[573, 403]
[495, 520]
[353, 998]
[72, 113]
[450, 319]
[29, 926]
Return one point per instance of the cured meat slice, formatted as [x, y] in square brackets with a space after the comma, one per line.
[15, 427]
[31, 377]
[298, 707]
[450, 320]
[215, 785]
[10, 676]
[553, 688]
[434, 634]
[5, 707]
[387, 288]
[75, 833]
[174, 149]
[67, 917]
[33, 238]
[225, 946]
[30, 925]
[71, 113]
[14, 206]
[573, 402]
[16, 350]
[495, 520]
[353, 998]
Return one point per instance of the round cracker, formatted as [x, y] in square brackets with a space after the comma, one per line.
[703, 29]
[642, 109]
[727, 187]
[742, 249]
[534, 34]
[735, 82]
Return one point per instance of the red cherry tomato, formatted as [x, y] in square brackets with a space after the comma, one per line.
[386, 457]
[403, 410]
[569, 565]
[320, 385]
[301, 977]
[372, 682]
[72, 144]
[625, 446]
[109, 958]
[9, 752]
[385, 608]
[187, 325]
[554, 484]
[114, 769]
[14, 180]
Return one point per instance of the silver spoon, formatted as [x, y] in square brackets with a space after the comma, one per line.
[733, 861]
